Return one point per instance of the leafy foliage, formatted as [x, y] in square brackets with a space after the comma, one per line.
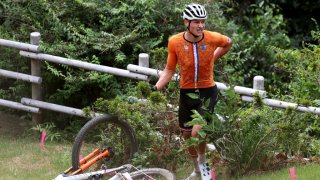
[260, 25]
[109, 33]
[112, 33]
[154, 123]
[248, 138]
[304, 80]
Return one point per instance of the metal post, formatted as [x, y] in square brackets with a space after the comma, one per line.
[144, 60]
[36, 71]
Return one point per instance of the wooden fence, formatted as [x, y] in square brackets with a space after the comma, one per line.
[139, 72]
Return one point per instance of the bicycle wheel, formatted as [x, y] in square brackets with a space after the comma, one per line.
[105, 131]
[151, 173]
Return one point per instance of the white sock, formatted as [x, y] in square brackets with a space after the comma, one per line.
[196, 166]
[201, 158]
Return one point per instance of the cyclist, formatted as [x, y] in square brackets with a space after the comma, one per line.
[195, 52]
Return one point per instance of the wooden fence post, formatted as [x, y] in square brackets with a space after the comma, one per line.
[258, 83]
[144, 60]
[36, 71]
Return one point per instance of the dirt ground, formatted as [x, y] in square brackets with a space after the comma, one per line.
[12, 125]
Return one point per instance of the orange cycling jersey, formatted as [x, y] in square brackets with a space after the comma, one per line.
[195, 59]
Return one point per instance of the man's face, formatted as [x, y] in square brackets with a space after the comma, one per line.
[196, 26]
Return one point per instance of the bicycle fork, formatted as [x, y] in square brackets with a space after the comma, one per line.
[89, 160]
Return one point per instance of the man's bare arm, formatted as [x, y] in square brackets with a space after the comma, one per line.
[220, 51]
[165, 77]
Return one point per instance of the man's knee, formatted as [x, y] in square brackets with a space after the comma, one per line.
[195, 130]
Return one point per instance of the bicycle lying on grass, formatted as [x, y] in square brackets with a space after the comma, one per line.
[123, 172]
[109, 144]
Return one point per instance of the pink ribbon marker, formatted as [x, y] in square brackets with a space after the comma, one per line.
[292, 173]
[43, 138]
[213, 175]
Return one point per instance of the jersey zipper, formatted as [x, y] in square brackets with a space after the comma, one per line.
[196, 63]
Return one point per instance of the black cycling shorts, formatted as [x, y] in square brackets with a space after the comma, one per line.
[187, 104]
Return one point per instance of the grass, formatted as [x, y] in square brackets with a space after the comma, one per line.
[303, 172]
[23, 158]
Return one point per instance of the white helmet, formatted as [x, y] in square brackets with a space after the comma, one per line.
[194, 11]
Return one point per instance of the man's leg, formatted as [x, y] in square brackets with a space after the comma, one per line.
[201, 149]
[192, 150]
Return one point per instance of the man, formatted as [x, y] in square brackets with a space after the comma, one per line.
[195, 51]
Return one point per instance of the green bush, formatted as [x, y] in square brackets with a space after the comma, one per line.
[301, 67]
[153, 122]
[248, 137]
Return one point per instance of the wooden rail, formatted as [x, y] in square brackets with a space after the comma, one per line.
[20, 76]
[32, 51]
[19, 45]
[221, 86]
[83, 65]
[34, 78]
[57, 108]
[18, 106]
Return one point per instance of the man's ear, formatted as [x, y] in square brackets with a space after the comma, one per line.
[186, 22]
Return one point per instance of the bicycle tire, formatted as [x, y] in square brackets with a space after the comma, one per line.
[154, 173]
[94, 133]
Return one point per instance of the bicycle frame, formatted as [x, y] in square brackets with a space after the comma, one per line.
[121, 172]
[96, 174]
